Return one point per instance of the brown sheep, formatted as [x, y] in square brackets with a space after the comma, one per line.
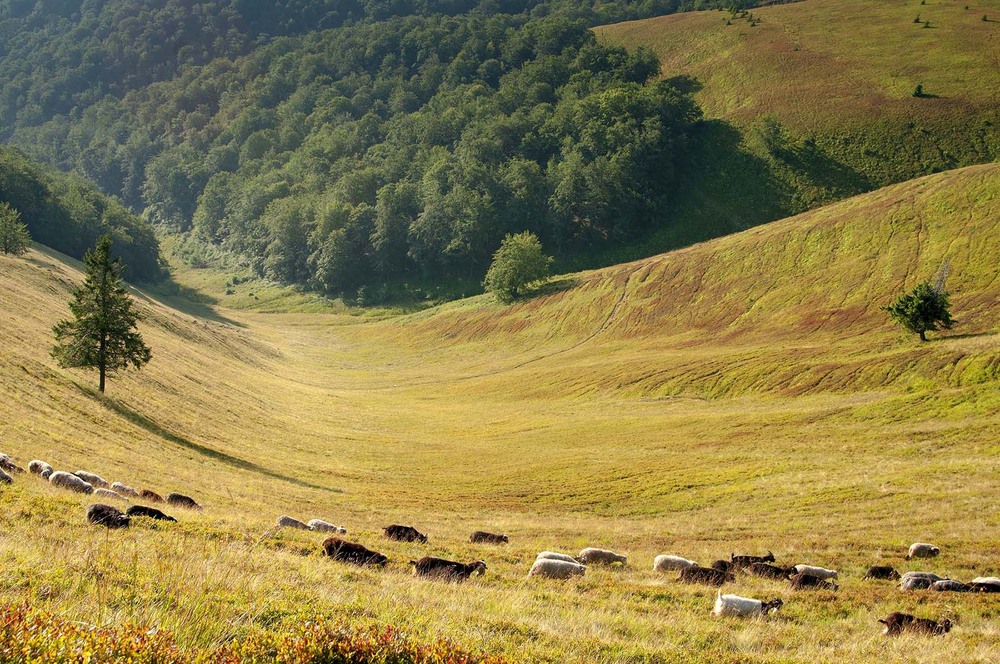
[803, 581]
[6, 463]
[706, 575]
[447, 569]
[404, 534]
[180, 500]
[771, 571]
[350, 552]
[107, 516]
[882, 572]
[149, 512]
[488, 538]
[897, 622]
[151, 496]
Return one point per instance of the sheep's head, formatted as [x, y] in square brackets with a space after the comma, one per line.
[505, 539]
[478, 567]
[893, 574]
[943, 626]
[422, 538]
[773, 605]
[790, 571]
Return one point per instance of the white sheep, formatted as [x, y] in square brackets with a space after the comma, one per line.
[601, 557]
[552, 555]
[322, 526]
[669, 562]
[821, 572]
[922, 550]
[40, 468]
[69, 481]
[734, 605]
[124, 490]
[551, 568]
[108, 493]
[992, 580]
[92, 479]
[289, 522]
[5, 478]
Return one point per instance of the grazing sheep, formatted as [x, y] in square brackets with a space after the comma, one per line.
[447, 569]
[592, 556]
[124, 490]
[923, 575]
[289, 522]
[404, 534]
[669, 562]
[324, 527]
[148, 512]
[769, 571]
[551, 568]
[37, 467]
[821, 572]
[896, 623]
[882, 572]
[180, 500]
[351, 552]
[951, 586]
[989, 584]
[734, 605]
[922, 550]
[488, 538]
[5, 478]
[722, 566]
[108, 493]
[916, 583]
[741, 562]
[69, 481]
[95, 481]
[803, 581]
[552, 555]
[150, 496]
[706, 575]
[107, 516]
[6, 463]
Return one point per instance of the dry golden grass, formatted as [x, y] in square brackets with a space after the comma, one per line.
[741, 395]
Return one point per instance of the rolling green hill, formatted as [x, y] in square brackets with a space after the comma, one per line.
[814, 102]
[740, 395]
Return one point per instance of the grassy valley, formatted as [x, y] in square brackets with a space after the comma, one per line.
[739, 395]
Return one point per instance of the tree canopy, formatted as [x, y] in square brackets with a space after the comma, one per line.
[922, 310]
[102, 334]
[14, 236]
[518, 263]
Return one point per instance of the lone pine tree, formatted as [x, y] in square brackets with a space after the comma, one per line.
[103, 332]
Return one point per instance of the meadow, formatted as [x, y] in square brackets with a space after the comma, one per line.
[741, 395]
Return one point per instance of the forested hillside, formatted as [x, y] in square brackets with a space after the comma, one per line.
[67, 213]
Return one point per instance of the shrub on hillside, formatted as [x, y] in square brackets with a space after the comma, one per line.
[922, 310]
[14, 237]
[518, 263]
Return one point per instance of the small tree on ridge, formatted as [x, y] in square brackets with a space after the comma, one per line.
[14, 237]
[922, 310]
[102, 334]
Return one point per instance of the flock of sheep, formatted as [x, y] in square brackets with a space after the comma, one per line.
[547, 564]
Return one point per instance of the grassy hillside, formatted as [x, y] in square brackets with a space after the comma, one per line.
[741, 395]
[814, 102]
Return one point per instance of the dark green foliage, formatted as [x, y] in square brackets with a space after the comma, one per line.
[102, 334]
[922, 310]
[68, 214]
[518, 263]
[14, 236]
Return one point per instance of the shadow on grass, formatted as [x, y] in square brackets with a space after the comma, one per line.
[184, 299]
[550, 287]
[152, 427]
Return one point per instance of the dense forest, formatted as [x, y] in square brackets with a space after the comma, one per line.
[342, 144]
[65, 212]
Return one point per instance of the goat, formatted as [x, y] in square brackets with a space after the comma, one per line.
[741, 562]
